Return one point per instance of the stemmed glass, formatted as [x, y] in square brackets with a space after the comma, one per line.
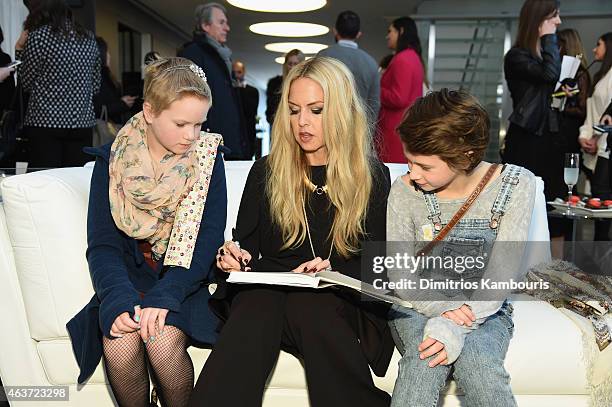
[570, 174]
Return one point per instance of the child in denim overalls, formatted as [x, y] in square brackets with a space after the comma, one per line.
[445, 135]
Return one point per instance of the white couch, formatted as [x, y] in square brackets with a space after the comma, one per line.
[44, 281]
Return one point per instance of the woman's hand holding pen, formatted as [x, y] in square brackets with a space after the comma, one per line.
[230, 257]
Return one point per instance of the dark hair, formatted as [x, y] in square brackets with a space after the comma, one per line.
[408, 38]
[385, 61]
[105, 69]
[348, 24]
[54, 13]
[1, 36]
[606, 64]
[533, 13]
[102, 49]
[451, 124]
[151, 56]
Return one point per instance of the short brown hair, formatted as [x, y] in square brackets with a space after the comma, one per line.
[450, 124]
[169, 79]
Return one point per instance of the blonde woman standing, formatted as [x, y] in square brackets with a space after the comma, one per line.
[306, 207]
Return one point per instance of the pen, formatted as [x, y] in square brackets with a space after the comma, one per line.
[560, 94]
[237, 243]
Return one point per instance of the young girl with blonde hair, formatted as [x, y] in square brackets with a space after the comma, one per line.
[306, 207]
[157, 212]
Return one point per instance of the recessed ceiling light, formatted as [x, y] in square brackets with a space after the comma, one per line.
[288, 29]
[305, 47]
[278, 6]
[281, 60]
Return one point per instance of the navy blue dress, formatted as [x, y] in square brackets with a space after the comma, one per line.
[120, 274]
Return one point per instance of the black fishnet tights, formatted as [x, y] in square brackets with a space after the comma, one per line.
[126, 368]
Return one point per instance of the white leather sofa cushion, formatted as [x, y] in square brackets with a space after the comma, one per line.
[45, 214]
[46, 220]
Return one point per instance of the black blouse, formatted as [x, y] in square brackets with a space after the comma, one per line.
[260, 237]
[257, 234]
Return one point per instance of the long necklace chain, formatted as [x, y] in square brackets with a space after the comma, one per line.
[331, 249]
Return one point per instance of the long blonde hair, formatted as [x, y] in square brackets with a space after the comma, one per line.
[350, 156]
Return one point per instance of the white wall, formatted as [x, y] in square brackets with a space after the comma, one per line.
[109, 13]
[12, 15]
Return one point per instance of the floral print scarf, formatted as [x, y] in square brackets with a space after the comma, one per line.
[144, 194]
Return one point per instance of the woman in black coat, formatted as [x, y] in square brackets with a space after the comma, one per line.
[532, 68]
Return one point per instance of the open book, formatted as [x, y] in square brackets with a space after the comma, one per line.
[322, 279]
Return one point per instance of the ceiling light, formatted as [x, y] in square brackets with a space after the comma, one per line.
[278, 6]
[281, 60]
[287, 29]
[305, 47]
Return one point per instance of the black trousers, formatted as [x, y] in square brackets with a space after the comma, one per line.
[263, 320]
[543, 155]
[600, 188]
[55, 147]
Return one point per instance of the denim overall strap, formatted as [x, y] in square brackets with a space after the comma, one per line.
[434, 210]
[509, 181]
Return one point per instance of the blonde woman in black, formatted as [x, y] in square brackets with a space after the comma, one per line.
[306, 207]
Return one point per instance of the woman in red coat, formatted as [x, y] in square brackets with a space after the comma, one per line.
[400, 86]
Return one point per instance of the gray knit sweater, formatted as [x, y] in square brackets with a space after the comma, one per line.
[407, 221]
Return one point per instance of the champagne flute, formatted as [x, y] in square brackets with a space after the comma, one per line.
[570, 174]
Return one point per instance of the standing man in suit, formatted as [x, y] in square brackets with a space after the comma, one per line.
[359, 62]
[209, 50]
[249, 97]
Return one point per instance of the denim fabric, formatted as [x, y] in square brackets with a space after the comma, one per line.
[476, 354]
[479, 371]
[469, 238]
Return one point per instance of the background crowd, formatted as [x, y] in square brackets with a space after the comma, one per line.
[63, 96]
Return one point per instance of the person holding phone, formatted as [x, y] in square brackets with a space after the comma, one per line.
[594, 143]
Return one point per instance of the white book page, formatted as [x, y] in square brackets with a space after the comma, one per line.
[274, 278]
[569, 67]
[321, 279]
